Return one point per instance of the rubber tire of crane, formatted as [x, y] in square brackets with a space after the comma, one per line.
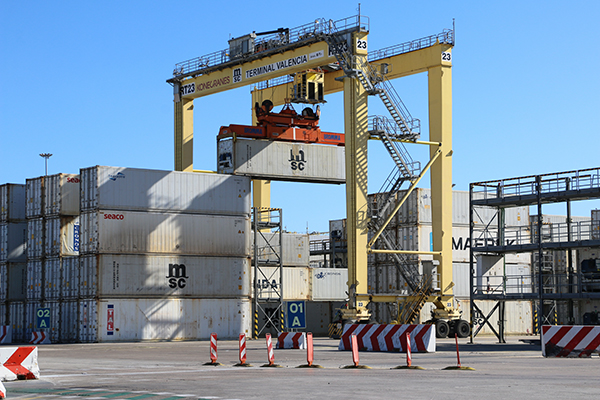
[441, 329]
[462, 328]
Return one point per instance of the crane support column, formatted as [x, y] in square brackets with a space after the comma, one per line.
[184, 135]
[440, 130]
[356, 130]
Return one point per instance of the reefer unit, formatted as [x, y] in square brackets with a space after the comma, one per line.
[329, 284]
[135, 276]
[62, 194]
[131, 189]
[12, 202]
[133, 232]
[276, 160]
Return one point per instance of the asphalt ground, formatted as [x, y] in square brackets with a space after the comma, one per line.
[175, 371]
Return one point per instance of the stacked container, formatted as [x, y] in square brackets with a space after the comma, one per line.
[13, 257]
[53, 249]
[164, 255]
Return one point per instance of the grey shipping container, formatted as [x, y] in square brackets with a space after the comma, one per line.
[16, 281]
[131, 189]
[162, 276]
[131, 232]
[276, 160]
[16, 320]
[35, 238]
[61, 194]
[34, 279]
[34, 194]
[295, 248]
[12, 202]
[13, 241]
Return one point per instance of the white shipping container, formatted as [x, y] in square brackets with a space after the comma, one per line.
[62, 236]
[13, 241]
[35, 238]
[52, 278]
[34, 279]
[34, 194]
[168, 276]
[329, 284]
[164, 319]
[114, 188]
[16, 280]
[517, 316]
[87, 277]
[277, 160]
[295, 249]
[16, 320]
[296, 283]
[132, 232]
[12, 202]
[62, 194]
[70, 288]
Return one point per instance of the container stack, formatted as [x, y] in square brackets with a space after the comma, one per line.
[164, 255]
[13, 257]
[52, 253]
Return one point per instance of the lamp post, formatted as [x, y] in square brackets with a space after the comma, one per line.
[46, 156]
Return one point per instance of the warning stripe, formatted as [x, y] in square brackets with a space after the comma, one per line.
[579, 335]
[346, 335]
[570, 341]
[388, 338]
[374, 338]
[419, 337]
[14, 362]
[382, 337]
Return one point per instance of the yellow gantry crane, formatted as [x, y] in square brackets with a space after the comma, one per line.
[340, 50]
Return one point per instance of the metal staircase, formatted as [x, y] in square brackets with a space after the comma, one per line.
[411, 308]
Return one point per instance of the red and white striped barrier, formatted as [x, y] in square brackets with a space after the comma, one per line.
[388, 337]
[19, 362]
[213, 348]
[242, 349]
[291, 340]
[270, 352]
[2, 391]
[5, 334]
[570, 340]
[39, 338]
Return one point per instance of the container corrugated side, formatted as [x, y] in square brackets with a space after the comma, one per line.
[12, 202]
[70, 288]
[34, 193]
[517, 315]
[170, 319]
[35, 238]
[277, 160]
[34, 279]
[167, 276]
[69, 321]
[16, 320]
[131, 189]
[31, 314]
[87, 322]
[295, 248]
[296, 283]
[13, 241]
[132, 232]
[62, 236]
[62, 194]
[329, 284]
[52, 278]
[3, 311]
[16, 281]
[3, 282]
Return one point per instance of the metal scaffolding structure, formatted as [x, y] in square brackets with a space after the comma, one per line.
[492, 238]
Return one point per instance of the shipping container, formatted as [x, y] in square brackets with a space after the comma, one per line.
[35, 195]
[329, 284]
[131, 189]
[277, 160]
[62, 236]
[3, 282]
[35, 238]
[69, 321]
[34, 279]
[13, 241]
[296, 283]
[16, 281]
[70, 274]
[52, 278]
[132, 232]
[517, 316]
[61, 195]
[295, 251]
[3, 311]
[46, 309]
[112, 320]
[16, 320]
[166, 276]
[12, 202]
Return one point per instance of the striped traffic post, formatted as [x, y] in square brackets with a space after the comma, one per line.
[213, 350]
[309, 353]
[408, 353]
[355, 359]
[242, 352]
[459, 366]
[270, 353]
[2, 391]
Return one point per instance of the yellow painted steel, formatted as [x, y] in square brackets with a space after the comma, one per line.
[261, 189]
[184, 136]
[440, 130]
[403, 251]
[357, 137]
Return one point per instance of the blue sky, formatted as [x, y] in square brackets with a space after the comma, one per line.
[85, 81]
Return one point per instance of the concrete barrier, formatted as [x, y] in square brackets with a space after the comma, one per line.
[39, 338]
[19, 363]
[291, 340]
[384, 337]
[570, 340]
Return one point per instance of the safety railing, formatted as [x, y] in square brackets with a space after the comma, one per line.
[529, 284]
[274, 41]
[446, 37]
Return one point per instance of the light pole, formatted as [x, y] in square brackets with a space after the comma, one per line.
[46, 156]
